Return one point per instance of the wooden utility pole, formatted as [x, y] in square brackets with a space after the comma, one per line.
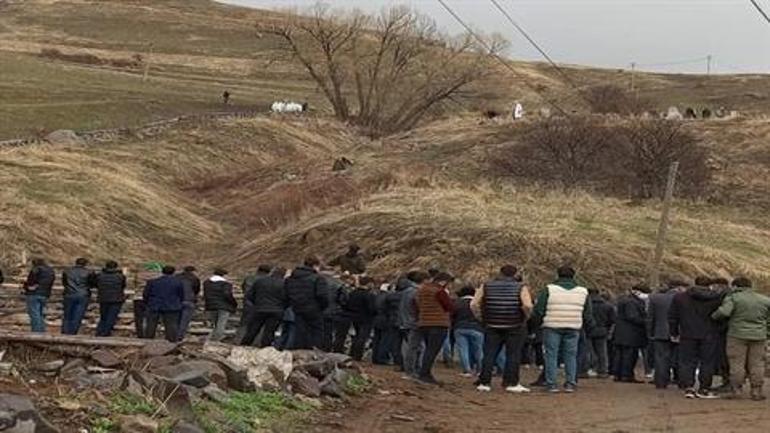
[660, 244]
[633, 76]
[708, 64]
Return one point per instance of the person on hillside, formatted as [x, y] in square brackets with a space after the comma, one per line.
[163, 298]
[37, 290]
[268, 300]
[359, 311]
[604, 319]
[192, 288]
[564, 309]
[226, 97]
[219, 303]
[503, 304]
[434, 308]
[77, 281]
[658, 329]
[351, 262]
[690, 324]
[148, 272]
[748, 315]
[247, 287]
[2, 278]
[110, 294]
[308, 298]
[408, 320]
[468, 332]
[630, 332]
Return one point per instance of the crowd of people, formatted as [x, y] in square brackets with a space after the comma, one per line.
[684, 334]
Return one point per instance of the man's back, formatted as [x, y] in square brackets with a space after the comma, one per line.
[660, 304]
[690, 313]
[269, 295]
[77, 281]
[164, 293]
[748, 312]
[306, 291]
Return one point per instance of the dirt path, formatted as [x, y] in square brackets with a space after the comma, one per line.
[401, 406]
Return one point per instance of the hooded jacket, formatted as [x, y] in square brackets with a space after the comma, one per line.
[77, 281]
[631, 322]
[748, 313]
[40, 281]
[110, 286]
[218, 295]
[690, 313]
[307, 291]
[407, 313]
[337, 292]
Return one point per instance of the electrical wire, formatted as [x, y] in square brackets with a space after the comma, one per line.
[760, 10]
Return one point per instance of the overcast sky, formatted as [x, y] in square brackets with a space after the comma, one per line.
[611, 33]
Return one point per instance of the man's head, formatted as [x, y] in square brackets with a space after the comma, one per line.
[566, 272]
[353, 249]
[38, 261]
[168, 270]
[742, 282]
[466, 290]
[433, 271]
[720, 282]
[443, 279]
[190, 268]
[111, 264]
[416, 276]
[220, 272]
[264, 269]
[365, 282]
[279, 272]
[81, 262]
[509, 271]
[640, 290]
[703, 281]
[313, 262]
[677, 283]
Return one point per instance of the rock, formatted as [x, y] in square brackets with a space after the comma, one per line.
[401, 417]
[318, 369]
[339, 359]
[137, 424]
[64, 137]
[161, 361]
[331, 388]
[673, 113]
[6, 368]
[267, 368]
[196, 378]
[106, 359]
[215, 393]
[216, 348]
[177, 398]
[49, 367]
[19, 415]
[304, 384]
[72, 368]
[342, 164]
[237, 376]
[186, 427]
[158, 348]
[208, 370]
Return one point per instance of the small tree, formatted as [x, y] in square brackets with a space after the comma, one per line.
[610, 99]
[382, 73]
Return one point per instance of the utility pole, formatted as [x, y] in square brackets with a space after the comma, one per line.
[660, 244]
[633, 75]
[708, 64]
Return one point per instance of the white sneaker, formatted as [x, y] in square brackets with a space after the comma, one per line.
[518, 389]
[483, 388]
[592, 373]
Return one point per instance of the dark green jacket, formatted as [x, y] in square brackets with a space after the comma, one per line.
[748, 313]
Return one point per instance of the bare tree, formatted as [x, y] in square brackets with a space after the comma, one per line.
[382, 73]
[610, 99]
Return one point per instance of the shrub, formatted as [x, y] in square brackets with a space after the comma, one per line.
[610, 99]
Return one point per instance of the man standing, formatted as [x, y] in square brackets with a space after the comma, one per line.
[604, 319]
[407, 322]
[434, 307]
[77, 281]
[503, 305]
[163, 299]
[564, 309]
[220, 303]
[664, 349]
[268, 301]
[37, 289]
[192, 288]
[359, 311]
[468, 332]
[307, 293]
[351, 262]
[337, 290]
[630, 333]
[110, 294]
[247, 287]
[690, 323]
[749, 320]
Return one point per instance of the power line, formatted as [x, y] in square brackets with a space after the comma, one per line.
[673, 63]
[760, 10]
[506, 64]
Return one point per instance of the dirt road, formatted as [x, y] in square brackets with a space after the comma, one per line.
[400, 406]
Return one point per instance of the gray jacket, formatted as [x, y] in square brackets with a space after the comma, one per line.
[407, 315]
[77, 281]
[657, 315]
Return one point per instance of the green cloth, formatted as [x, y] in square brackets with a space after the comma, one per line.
[748, 313]
[153, 266]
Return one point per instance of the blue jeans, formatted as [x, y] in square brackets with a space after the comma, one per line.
[108, 316]
[36, 312]
[74, 310]
[469, 343]
[562, 342]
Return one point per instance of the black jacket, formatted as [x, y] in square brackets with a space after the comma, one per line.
[631, 322]
[381, 309]
[463, 318]
[192, 286]
[307, 291]
[268, 295]
[360, 306]
[77, 281]
[657, 317]
[353, 264]
[247, 286]
[392, 303]
[690, 313]
[40, 281]
[604, 317]
[338, 296]
[218, 295]
[110, 286]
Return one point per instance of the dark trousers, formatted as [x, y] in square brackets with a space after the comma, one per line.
[599, 355]
[185, 317]
[140, 318]
[286, 339]
[495, 339]
[697, 354]
[626, 359]
[170, 324]
[108, 317]
[267, 323]
[309, 331]
[327, 339]
[380, 347]
[665, 362]
[396, 345]
[74, 310]
[434, 337]
[363, 330]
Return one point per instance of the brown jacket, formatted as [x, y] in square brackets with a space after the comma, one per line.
[434, 307]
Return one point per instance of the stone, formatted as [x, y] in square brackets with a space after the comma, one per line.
[6, 368]
[64, 137]
[331, 388]
[237, 376]
[50, 367]
[158, 348]
[196, 378]
[318, 369]
[342, 164]
[267, 368]
[137, 424]
[19, 415]
[215, 393]
[217, 348]
[106, 359]
[208, 370]
[177, 398]
[72, 368]
[161, 361]
[673, 113]
[186, 427]
[304, 384]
